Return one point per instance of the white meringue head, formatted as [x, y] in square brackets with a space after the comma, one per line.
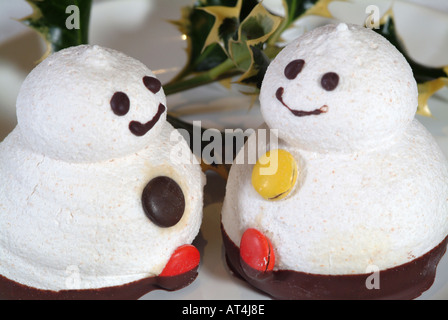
[347, 89]
[65, 107]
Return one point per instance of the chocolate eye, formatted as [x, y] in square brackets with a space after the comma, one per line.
[120, 103]
[152, 84]
[293, 69]
[330, 81]
[163, 201]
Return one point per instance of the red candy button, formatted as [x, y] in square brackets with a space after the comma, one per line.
[256, 251]
[184, 259]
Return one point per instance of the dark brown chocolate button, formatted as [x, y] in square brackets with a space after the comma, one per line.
[120, 103]
[293, 69]
[330, 81]
[163, 201]
[153, 84]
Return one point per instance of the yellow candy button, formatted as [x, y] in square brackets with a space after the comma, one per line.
[275, 174]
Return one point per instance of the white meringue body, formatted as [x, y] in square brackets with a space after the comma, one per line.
[71, 214]
[351, 212]
[57, 217]
[372, 187]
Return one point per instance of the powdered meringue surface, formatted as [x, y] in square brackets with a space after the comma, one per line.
[372, 189]
[70, 211]
[380, 208]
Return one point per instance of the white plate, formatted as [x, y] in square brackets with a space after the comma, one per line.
[140, 29]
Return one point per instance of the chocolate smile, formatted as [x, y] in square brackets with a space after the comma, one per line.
[139, 129]
[299, 113]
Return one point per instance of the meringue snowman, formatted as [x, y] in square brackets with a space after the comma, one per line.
[92, 202]
[358, 206]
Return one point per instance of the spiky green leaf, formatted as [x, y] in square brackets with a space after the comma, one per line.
[61, 23]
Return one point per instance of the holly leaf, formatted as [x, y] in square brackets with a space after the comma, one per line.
[225, 25]
[426, 90]
[247, 51]
[208, 25]
[255, 74]
[195, 25]
[212, 28]
[61, 23]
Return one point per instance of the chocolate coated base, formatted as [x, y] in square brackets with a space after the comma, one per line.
[405, 282]
[11, 290]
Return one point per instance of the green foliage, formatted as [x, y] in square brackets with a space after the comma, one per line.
[49, 20]
[225, 38]
[240, 37]
[229, 38]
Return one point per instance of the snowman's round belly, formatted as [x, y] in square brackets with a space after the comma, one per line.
[348, 213]
[337, 223]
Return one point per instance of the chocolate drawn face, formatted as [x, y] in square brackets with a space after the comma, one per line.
[120, 105]
[329, 82]
[338, 89]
